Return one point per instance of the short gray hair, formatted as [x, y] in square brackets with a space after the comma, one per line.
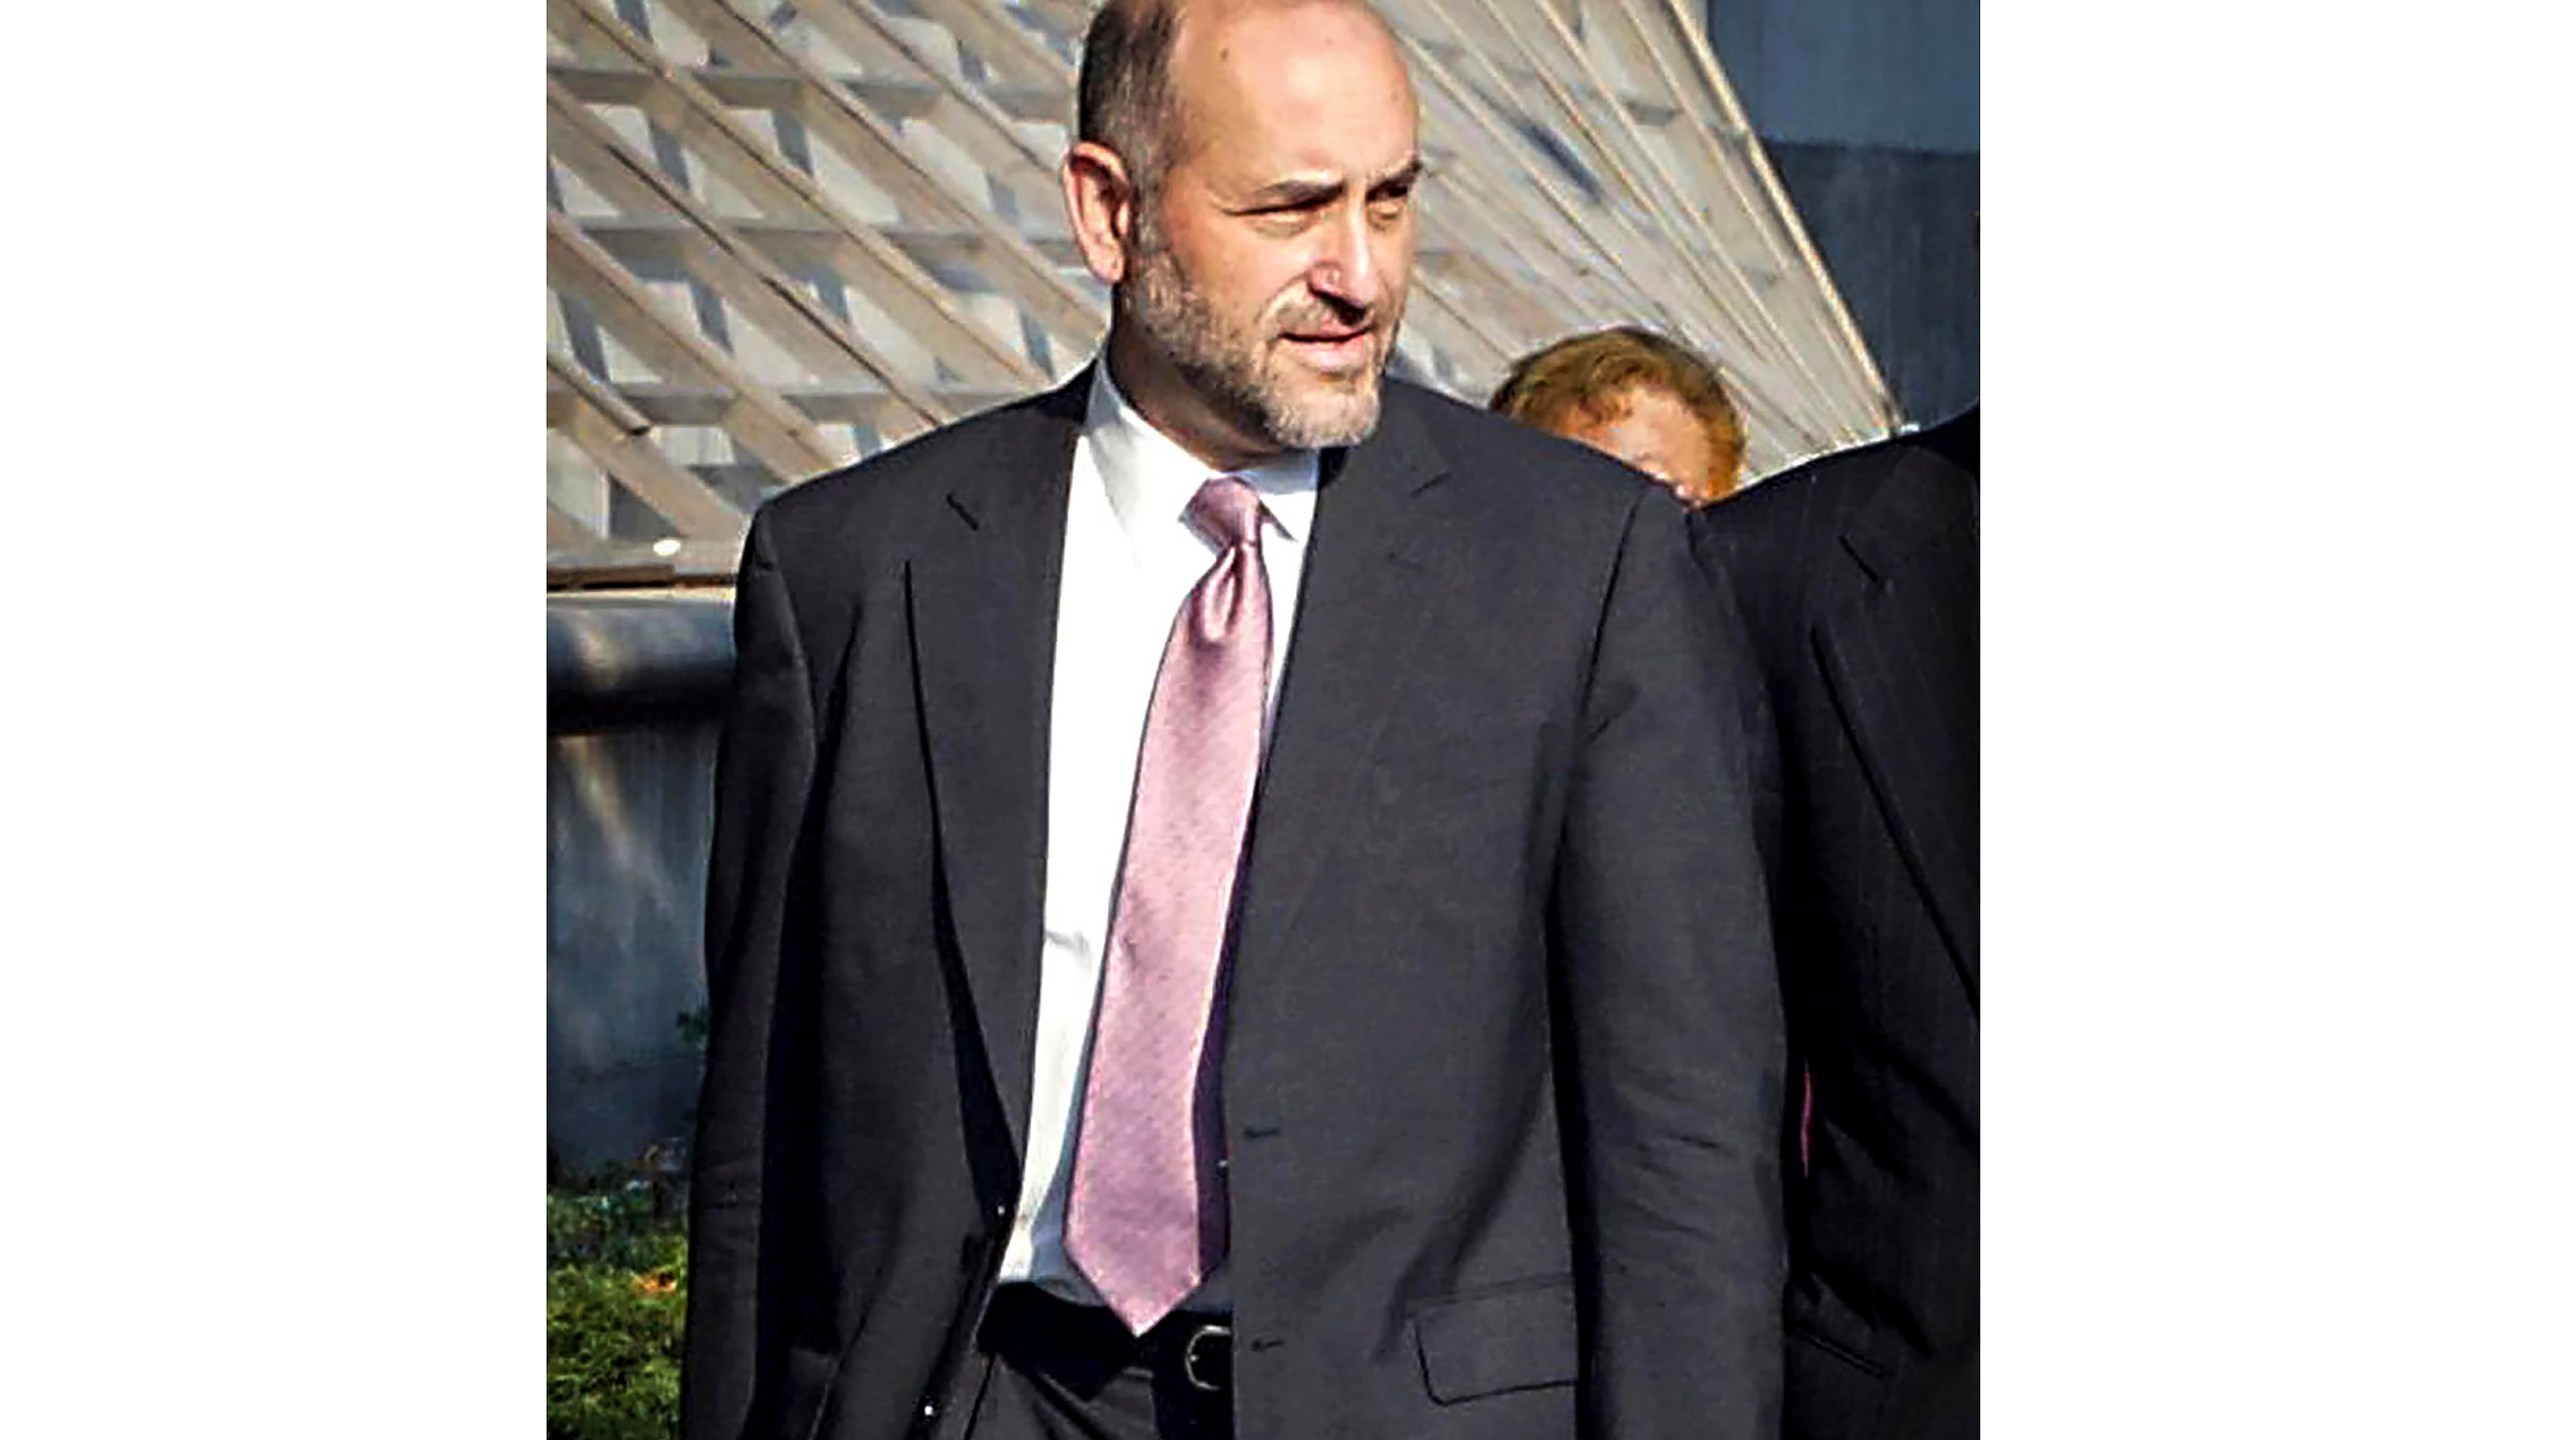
[1124, 90]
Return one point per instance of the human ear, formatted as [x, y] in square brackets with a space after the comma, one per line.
[1101, 207]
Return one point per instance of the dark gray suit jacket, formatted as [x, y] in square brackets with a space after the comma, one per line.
[1858, 575]
[1503, 1047]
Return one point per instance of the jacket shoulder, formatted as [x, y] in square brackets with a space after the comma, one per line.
[1783, 543]
[881, 500]
[1516, 465]
[1816, 494]
[1785, 518]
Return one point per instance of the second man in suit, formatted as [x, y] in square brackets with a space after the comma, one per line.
[1234, 904]
[1858, 576]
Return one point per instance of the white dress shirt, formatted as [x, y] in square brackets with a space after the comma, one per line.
[1131, 558]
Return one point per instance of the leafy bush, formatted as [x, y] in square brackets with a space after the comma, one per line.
[617, 1257]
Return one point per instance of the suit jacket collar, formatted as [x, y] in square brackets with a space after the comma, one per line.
[1362, 605]
[1908, 511]
[1886, 653]
[1007, 475]
[982, 593]
[982, 599]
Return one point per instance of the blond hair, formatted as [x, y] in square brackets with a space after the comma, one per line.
[1591, 375]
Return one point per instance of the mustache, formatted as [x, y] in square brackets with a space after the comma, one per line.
[1320, 315]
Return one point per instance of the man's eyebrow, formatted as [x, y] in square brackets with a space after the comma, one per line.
[1299, 190]
[1295, 190]
[1402, 177]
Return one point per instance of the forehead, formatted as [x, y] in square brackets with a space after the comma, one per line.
[1288, 88]
[1646, 413]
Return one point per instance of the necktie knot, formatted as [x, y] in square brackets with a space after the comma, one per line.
[1229, 510]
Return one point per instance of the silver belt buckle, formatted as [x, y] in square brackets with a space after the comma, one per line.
[1191, 1356]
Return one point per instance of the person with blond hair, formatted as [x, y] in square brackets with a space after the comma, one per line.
[1639, 396]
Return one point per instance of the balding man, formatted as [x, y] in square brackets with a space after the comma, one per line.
[1235, 905]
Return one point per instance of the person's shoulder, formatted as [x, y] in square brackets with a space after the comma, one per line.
[1767, 536]
[1822, 494]
[1822, 488]
[1489, 450]
[883, 497]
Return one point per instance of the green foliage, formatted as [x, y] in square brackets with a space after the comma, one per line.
[617, 1253]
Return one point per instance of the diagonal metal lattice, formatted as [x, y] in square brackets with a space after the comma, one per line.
[784, 236]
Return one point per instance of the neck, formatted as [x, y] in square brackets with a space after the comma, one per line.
[1156, 390]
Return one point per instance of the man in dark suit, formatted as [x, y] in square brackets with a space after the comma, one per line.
[1858, 577]
[1234, 902]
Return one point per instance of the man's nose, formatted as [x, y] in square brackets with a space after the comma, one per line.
[1346, 269]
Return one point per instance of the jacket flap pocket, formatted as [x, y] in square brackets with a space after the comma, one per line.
[1817, 1318]
[1516, 1338]
[808, 1378]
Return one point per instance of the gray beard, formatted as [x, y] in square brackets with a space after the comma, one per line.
[1225, 367]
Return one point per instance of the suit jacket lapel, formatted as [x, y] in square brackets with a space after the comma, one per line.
[982, 597]
[1360, 607]
[1889, 662]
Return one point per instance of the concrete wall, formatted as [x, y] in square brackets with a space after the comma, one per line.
[1871, 112]
[634, 693]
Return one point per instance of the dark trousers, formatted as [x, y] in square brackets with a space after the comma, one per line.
[1056, 1371]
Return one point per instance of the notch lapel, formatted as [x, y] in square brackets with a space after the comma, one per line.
[1361, 607]
[982, 600]
[1894, 665]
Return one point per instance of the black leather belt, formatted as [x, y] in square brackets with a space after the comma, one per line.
[1036, 1328]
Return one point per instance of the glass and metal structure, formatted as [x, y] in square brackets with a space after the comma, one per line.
[783, 236]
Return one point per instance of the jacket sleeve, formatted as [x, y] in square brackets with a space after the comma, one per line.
[760, 801]
[1668, 1026]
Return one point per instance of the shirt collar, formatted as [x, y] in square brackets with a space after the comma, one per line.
[1150, 478]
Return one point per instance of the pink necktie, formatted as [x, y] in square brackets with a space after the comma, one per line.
[1146, 1204]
